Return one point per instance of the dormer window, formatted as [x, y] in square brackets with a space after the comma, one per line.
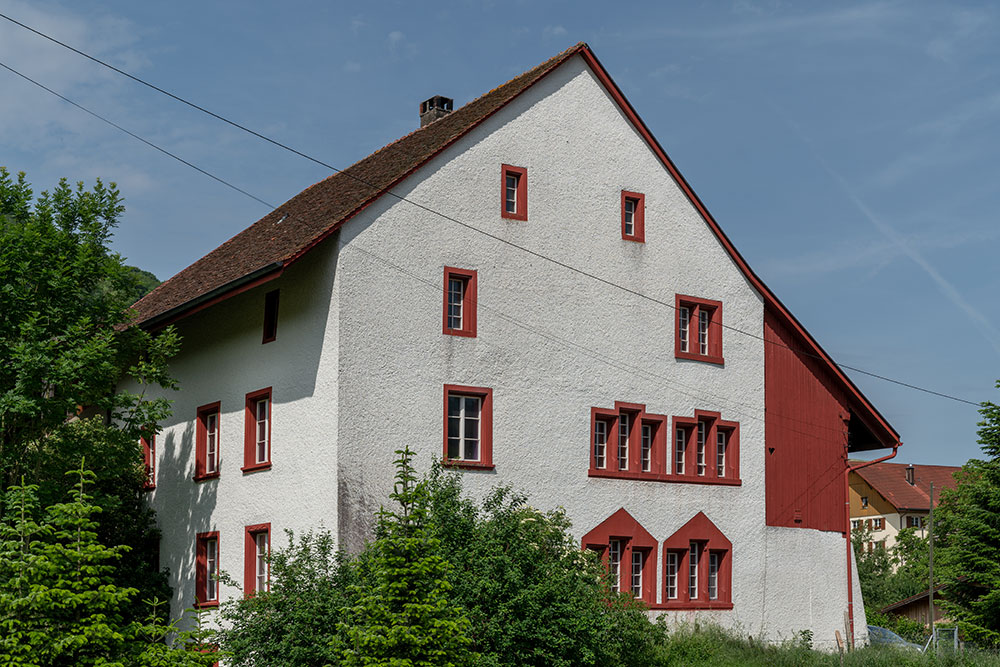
[514, 193]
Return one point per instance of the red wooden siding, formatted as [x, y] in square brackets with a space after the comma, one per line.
[805, 426]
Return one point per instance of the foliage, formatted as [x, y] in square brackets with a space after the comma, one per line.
[905, 627]
[293, 623]
[144, 282]
[66, 345]
[532, 595]
[968, 532]
[403, 614]
[59, 604]
[890, 575]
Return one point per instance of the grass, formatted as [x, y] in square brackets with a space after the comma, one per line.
[712, 646]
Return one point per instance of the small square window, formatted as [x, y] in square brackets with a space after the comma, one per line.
[256, 570]
[514, 192]
[878, 523]
[270, 316]
[257, 431]
[207, 457]
[468, 426]
[699, 329]
[460, 302]
[633, 216]
[864, 502]
[207, 570]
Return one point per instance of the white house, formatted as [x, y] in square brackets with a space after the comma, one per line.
[527, 288]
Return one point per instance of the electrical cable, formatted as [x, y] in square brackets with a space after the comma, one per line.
[495, 237]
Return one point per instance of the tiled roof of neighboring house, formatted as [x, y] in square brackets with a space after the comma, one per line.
[261, 251]
[889, 479]
[310, 216]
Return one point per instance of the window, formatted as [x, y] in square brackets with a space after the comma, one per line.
[468, 426]
[877, 524]
[700, 556]
[699, 329]
[514, 193]
[149, 459]
[207, 570]
[696, 459]
[856, 524]
[914, 522]
[629, 553]
[633, 216]
[257, 431]
[639, 448]
[207, 459]
[459, 302]
[270, 316]
[864, 502]
[256, 572]
[671, 575]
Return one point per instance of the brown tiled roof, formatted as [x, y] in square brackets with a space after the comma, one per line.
[316, 212]
[889, 479]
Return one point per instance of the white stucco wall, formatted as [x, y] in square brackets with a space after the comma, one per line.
[360, 361]
[222, 359]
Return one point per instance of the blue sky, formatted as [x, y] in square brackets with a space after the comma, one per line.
[848, 149]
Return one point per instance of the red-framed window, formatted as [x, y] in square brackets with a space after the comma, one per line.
[698, 334]
[256, 563]
[459, 302]
[257, 431]
[633, 216]
[207, 458]
[148, 443]
[270, 316]
[468, 426]
[705, 449]
[629, 552]
[513, 192]
[206, 576]
[627, 442]
[697, 567]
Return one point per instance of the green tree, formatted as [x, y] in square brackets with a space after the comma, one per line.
[967, 532]
[66, 345]
[59, 604]
[404, 615]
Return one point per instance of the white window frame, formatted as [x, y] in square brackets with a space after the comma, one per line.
[721, 444]
[211, 569]
[262, 427]
[647, 446]
[456, 302]
[630, 206]
[693, 553]
[702, 442]
[261, 544]
[680, 444]
[624, 431]
[704, 318]
[713, 575]
[600, 443]
[638, 559]
[684, 313]
[615, 548]
[671, 574]
[464, 440]
[510, 192]
[211, 443]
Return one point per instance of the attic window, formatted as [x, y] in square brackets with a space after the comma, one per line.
[270, 316]
[514, 193]
[633, 216]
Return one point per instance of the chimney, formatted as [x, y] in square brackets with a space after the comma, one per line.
[434, 108]
[909, 474]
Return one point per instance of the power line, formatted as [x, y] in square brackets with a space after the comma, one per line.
[135, 136]
[445, 216]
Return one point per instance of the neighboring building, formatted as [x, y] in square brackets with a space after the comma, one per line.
[399, 325]
[888, 497]
[916, 608]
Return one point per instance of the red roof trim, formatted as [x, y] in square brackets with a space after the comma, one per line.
[769, 296]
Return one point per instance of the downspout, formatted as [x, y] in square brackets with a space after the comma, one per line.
[847, 532]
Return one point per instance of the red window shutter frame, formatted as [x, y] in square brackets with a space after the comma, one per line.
[250, 463]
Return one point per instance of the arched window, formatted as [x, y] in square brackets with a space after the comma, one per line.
[697, 567]
[629, 552]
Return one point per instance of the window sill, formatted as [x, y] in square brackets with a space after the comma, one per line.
[205, 478]
[467, 465]
[634, 239]
[460, 332]
[693, 604]
[663, 477]
[707, 358]
[206, 605]
[256, 467]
